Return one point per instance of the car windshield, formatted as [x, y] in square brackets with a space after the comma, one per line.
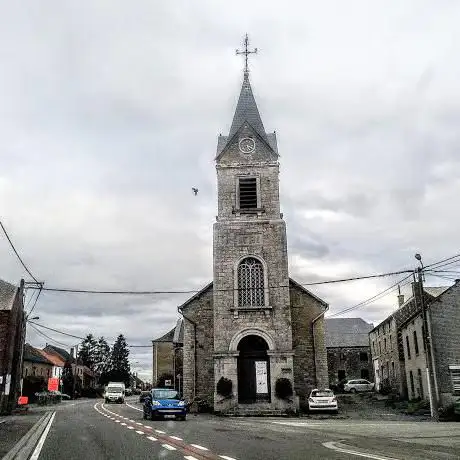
[322, 393]
[114, 389]
[165, 394]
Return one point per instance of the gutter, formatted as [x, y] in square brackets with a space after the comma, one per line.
[313, 336]
[179, 309]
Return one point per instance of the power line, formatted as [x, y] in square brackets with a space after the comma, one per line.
[48, 337]
[36, 300]
[442, 261]
[316, 283]
[17, 254]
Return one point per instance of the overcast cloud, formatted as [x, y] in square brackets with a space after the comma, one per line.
[110, 112]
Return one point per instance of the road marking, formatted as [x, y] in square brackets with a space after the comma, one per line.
[149, 427]
[190, 457]
[199, 447]
[139, 432]
[167, 446]
[42, 440]
[133, 421]
[139, 423]
[117, 421]
[136, 408]
[151, 438]
[130, 428]
[161, 432]
[176, 437]
[225, 457]
[339, 447]
[124, 424]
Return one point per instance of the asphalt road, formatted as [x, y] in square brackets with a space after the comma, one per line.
[93, 430]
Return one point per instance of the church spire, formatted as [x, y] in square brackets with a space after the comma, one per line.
[246, 109]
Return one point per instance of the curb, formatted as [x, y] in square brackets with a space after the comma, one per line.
[26, 445]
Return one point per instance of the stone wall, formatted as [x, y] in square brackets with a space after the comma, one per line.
[355, 362]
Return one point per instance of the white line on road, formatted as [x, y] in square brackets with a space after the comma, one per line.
[130, 428]
[190, 457]
[139, 432]
[176, 437]
[139, 423]
[42, 440]
[124, 424]
[136, 408]
[167, 446]
[226, 457]
[199, 447]
[151, 438]
[339, 447]
[117, 421]
[149, 427]
[161, 432]
[133, 421]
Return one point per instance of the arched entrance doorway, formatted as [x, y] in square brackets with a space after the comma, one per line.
[253, 370]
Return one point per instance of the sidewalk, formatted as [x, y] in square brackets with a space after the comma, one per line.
[14, 427]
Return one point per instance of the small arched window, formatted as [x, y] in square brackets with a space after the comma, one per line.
[251, 292]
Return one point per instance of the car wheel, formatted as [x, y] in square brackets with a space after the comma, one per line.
[353, 390]
[144, 415]
[182, 418]
[152, 416]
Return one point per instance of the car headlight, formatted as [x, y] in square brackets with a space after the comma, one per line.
[156, 403]
[181, 403]
[311, 400]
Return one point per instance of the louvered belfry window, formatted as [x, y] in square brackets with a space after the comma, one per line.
[248, 193]
[251, 283]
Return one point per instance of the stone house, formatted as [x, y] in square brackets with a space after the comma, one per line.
[12, 336]
[253, 324]
[58, 363]
[36, 365]
[348, 350]
[443, 317]
[388, 342]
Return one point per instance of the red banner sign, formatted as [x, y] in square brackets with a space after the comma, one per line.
[23, 400]
[53, 384]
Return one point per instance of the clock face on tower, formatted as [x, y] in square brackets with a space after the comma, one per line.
[247, 145]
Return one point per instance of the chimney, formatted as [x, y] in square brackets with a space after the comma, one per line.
[400, 299]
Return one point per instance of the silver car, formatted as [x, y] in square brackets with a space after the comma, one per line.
[354, 386]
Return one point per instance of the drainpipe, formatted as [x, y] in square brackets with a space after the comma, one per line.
[194, 349]
[314, 342]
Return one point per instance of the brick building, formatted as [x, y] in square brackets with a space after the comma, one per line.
[253, 324]
[12, 332]
[348, 350]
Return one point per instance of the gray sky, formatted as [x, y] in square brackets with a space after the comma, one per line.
[110, 113]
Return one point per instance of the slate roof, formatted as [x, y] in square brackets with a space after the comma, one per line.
[33, 355]
[346, 332]
[7, 295]
[179, 331]
[168, 337]
[436, 291]
[246, 110]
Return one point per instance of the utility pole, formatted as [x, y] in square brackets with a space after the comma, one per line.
[427, 345]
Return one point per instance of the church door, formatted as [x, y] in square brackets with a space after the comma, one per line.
[253, 370]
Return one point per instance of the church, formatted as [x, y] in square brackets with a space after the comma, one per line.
[253, 326]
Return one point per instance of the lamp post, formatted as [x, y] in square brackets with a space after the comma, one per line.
[427, 344]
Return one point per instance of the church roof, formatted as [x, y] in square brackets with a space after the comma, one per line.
[7, 295]
[346, 332]
[246, 110]
[168, 337]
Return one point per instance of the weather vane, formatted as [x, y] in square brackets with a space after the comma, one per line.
[246, 53]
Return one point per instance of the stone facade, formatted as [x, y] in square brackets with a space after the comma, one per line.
[349, 363]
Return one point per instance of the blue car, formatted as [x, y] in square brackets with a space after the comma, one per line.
[164, 403]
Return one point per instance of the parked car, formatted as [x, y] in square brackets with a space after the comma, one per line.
[128, 392]
[357, 385]
[322, 400]
[142, 395]
[164, 403]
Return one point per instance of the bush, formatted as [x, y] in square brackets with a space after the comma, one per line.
[224, 387]
[283, 388]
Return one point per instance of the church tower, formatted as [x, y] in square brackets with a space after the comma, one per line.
[251, 304]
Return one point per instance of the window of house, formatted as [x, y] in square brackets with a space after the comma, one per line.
[373, 346]
[415, 342]
[390, 344]
[412, 386]
[363, 357]
[27, 370]
[455, 379]
[247, 193]
[251, 292]
[341, 374]
[365, 374]
[393, 369]
[380, 347]
[420, 383]
[423, 338]
[385, 344]
[343, 357]
[408, 347]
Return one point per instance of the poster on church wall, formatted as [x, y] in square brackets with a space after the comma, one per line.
[261, 377]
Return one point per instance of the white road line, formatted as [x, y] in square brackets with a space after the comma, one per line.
[132, 421]
[226, 457]
[190, 457]
[117, 421]
[139, 432]
[339, 447]
[124, 424]
[149, 427]
[199, 447]
[161, 432]
[136, 408]
[176, 437]
[139, 423]
[130, 428]
[42, 440]
[151, 438]
[167, 446]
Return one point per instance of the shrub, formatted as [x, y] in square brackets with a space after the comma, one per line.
[224, 387]
[283, 388]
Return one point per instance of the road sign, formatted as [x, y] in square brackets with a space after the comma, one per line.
[53, 384]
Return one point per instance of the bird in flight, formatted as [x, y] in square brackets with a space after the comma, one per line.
[195, 191]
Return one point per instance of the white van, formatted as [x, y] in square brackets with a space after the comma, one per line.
[115, 392]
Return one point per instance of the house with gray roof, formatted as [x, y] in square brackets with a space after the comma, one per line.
[348, 351]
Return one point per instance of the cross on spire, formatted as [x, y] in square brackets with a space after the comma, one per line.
[246, 53]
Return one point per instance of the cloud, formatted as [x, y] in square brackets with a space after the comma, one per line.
[110, 114]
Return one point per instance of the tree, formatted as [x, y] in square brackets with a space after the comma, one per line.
[67, 378]
[87, 354]
[102, 356]
[119, 369]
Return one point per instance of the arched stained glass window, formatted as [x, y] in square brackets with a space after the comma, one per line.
[251, 291]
